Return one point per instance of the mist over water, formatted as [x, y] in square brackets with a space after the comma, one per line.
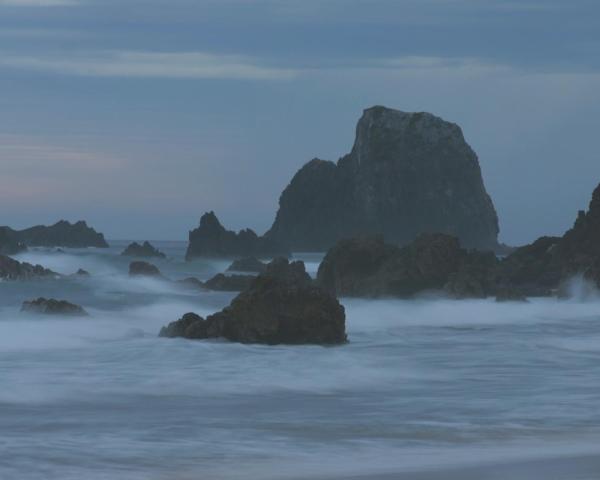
[422, 384]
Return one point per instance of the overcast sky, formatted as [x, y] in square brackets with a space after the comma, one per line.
[139, 115]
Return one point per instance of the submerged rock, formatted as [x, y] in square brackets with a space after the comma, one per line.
[61, 234]
[146, 250]
[229, 283]
[146, 269]
[211, 239]
[281, 306]
[407, 174]
[11, 269]
[50, 306]
[247, 264]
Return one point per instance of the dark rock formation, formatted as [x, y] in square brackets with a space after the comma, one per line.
[282, 306]
[145, 269]
[247, 264]
[146, 250]
[510, 295]
[192, 282]
[211, 239]
[407, 174]
[61, 234]
[9, 244]
[229, 283]
[51, 306]
[82, 273]
[11, 269]
[368, 267]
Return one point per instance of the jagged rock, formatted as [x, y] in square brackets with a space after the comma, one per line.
[407, 174]
[51, 306]
[368, 267]
[82, 273]
[11, 269]
[146, 269]
[146, 250]
[211, 239]
[247, 264]
[229, 283]
[475, 277]
[282, 306]
[61, 234]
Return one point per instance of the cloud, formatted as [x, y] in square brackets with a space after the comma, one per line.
[151, 64]
[39, 3]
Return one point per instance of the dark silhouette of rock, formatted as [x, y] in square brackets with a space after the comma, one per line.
[61, 234]
[282, 306]
[407, 174]
[51, 306]
[143, 269]
[368, 267]
[146, 250]
[211, 239]
[11, 269]
[510, 295]
[476, 276]
[192, 282]
[229, 283]
[82, 273]
[9, 244]
[247, 264]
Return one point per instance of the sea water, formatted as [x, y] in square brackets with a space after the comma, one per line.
[422, 384]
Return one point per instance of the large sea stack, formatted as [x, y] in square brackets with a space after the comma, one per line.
[61, 234]
[407, 174]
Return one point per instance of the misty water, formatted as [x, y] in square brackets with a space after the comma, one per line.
[422, 384]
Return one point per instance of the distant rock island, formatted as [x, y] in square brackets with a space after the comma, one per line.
[211, 239]
[407, 174]
[145, 250]
[61, 234]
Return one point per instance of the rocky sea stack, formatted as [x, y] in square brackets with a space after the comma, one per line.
[11, 269]
[61, 234]
[407, 174]
[146, 250]
[211, 239]
[281, 306]
[143, 269]
[50, 306]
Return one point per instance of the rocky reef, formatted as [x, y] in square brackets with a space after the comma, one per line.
[50, 306]
[145, 250]
[211, 239]
[229, 283]
[61, 234]
[407, 174]
[11, 269]
[368, 267]
[281, 306]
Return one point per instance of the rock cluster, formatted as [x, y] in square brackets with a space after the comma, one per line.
[211, 239]
[143, 269]
[146, 250]
[61, 234]
[281, 306]
[407, 174]
[11, 269]
[229, 283]
[50, 306]
[9, 245]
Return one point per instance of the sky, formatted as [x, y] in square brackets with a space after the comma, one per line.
[140, 115]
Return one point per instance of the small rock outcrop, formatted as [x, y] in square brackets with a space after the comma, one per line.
[247, 264]
[11, 269]
[191, 282]
[368, 267]
[211, 239]
[146, 250]
[407, 174]
[61, 234]
[50, 306]
[282, 306]
[9, 244]
[229, 283]
[143, 269]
